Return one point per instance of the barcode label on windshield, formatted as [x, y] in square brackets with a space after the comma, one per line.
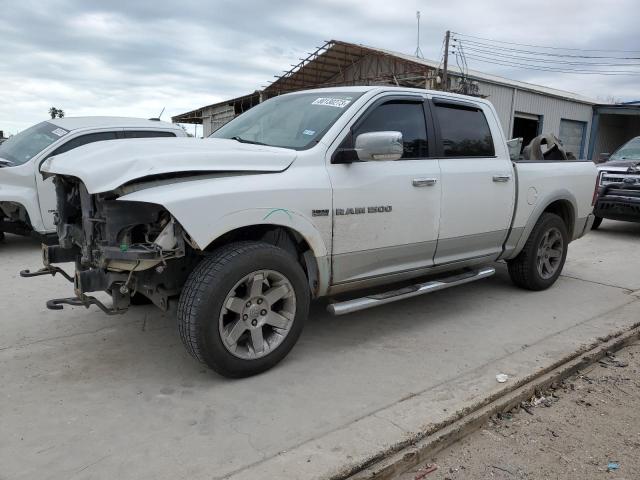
[59, 132]
[331, 102]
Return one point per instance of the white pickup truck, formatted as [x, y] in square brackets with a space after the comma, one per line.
[27, 201]
[312, 194]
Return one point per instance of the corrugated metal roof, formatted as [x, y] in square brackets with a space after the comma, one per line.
[495, 78]
[335, 55]
[321, 67]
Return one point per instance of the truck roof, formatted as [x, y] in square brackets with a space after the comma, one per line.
[75, 123]
[385, 88]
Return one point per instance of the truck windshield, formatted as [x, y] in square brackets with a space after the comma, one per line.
[296, 121]
[629, 151]
[27, 144]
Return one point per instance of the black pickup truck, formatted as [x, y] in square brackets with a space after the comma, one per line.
[619, 185]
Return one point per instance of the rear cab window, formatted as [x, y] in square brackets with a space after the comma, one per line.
[464, 130]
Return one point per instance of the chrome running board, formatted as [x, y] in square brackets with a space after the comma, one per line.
[349, 306]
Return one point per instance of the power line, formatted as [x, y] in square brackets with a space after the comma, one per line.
[546, 60]
[545, 46]
[547, 69]
[545, 54]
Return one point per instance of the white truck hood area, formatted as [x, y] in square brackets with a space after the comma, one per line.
[105, 166]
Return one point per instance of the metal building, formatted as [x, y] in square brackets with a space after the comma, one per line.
[524, 109]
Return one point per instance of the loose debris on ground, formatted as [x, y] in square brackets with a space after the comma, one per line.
[586, 427]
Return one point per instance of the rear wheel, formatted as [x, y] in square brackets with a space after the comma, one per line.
[243, 308]
[596, 223]
[540, 262]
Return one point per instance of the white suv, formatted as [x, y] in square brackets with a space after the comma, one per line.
[27, 201]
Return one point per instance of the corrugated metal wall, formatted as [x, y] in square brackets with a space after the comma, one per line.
[215, 117]
[552, 110]
[501, 97]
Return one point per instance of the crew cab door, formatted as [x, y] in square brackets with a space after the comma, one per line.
[386, 213]
[478, 184]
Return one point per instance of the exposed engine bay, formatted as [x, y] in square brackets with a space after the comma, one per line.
[126, 249]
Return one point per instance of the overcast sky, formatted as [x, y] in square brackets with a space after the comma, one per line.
[132, 58]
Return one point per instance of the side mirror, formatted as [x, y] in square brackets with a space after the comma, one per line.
[379, 146]
[603, 157]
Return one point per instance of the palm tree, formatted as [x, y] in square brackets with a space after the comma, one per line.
[53, 111]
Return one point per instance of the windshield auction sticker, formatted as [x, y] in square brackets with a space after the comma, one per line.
[331, 102]
[59, 132]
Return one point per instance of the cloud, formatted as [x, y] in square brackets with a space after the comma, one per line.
[134, 58]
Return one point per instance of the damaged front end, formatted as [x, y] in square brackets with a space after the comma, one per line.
[130, 250]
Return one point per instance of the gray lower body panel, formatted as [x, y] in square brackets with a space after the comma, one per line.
[399, 276]
[353, 271]
[354, 266]
[511, 243]
[478, 245]
[583, 225]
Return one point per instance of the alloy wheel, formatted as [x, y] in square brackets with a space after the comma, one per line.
[257, 314]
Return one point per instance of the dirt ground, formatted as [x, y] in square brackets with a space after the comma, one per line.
[588, 427]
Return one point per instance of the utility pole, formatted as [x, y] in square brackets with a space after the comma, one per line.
[418, 53]
[445, 73]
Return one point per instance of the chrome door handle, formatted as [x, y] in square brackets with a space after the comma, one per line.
[501, 178]
[423, 182]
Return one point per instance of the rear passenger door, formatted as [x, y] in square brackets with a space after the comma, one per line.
[478, 188]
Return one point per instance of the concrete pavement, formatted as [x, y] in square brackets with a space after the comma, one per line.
[83, 395]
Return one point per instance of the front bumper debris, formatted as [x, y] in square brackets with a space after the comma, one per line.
[83, 301]
[90, 280]
[48, 270]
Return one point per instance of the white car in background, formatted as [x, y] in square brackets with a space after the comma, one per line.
[27, 201]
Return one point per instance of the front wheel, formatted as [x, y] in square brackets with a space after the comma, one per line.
[540, 262]
[243, 308]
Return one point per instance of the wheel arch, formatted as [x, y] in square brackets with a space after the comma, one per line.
[563, 204]
[566, 211]
[289, 239]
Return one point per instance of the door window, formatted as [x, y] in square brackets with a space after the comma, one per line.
[84, 140]
[147, 134]
[464, 131]
[405, 117]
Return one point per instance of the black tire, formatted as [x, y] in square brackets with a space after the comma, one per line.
[596, 223]
[523, 269]
[204, 293]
